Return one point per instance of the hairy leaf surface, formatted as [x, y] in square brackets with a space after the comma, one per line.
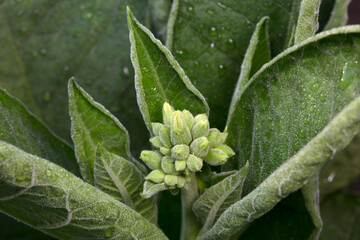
[339, 14]
[53, 200]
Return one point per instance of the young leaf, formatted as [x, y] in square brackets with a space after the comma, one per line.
[122, 180]
[159, 78]
[92, 124]
[307, 24]
[291, 175]
[219, 197]
[160, 10]
[151, 189]
[210, 38]
[339, 15]
[21, 128]
[51, 199]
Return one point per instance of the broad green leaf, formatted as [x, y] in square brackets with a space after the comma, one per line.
[291, 99]
[307, 24]
[342, 170]
[339, 15]
[44, 43]
[218, 198]
[257, 54]
[158, 77]
[122, 180]
[291, 175]
[21, 128]
[341, 213]
[92, 124]
[159, 10]
[51, 199]
[210, 38]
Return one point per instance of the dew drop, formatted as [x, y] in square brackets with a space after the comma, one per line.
[26, 167]
[43, 51]
[108, 233]
[301, 133]
[322, 97]
[126, 71]
[303, 106]
[348, 76]
[87, 16]
[331, 177]
[48, 173]
[230, 44]
[212, 45]
[190, 9]
[213, 31]
[196, 63]
[46, 97]
[21, 177]
[221, 5]
[306, 121]
[54, 177]
[66, 68]
[315, 87]
[210, 12]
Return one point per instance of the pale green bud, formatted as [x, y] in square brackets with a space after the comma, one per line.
[226, 149]
[180, 134]
[167, 112]
[171, 180]
[168, 165]
[200, 117]
[189, 118]
[194, 163]
[223, 137]
[151, 159]
[164, 134]
[180, 151]
[166, 151]
[214, 137]
[200, 147]
[180, 165]
[200, 129]
[216, 157]
[156, 128]
[180, 182]
[156, 142]
[156, 176]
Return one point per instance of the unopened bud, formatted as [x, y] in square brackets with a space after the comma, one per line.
[223, 137]
[214, 137]
[200, 117]
[151, 159]
[156, 142]
[156, 128]
[165, 151]
[180, 134]
[200, 129]
[189, 118]
[164, 134]
[167, 113]
[200, 147]
[180, 165]
[215, 157]
[180, 182]
[171, 180]
[180, 151]
[226, 149]
[156, 176]
[194, 163]
[168, 165]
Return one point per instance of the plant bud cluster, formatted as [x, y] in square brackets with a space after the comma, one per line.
[183, 143]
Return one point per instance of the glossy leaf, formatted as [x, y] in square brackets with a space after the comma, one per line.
[291, 175]
[219, 197]
[54, 201]
[291, 99]
[210, 38]
[21, 128]
[159, 78]
[122, 180]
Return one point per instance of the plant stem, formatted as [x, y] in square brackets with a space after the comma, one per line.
[189, 225]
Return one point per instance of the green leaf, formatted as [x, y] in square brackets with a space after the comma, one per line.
[44, 43]
[151, 189]
[257, 54]
[342, 170]
[339, 15]
[92, 124]
[210, 38]
[160, 10]
[326, 7]
[308, 20]
[51, 199]
[291, 99]
[159, 78]
[21, 128]
[122, 180]
[341, 215]
[291, 175]
[219, 197]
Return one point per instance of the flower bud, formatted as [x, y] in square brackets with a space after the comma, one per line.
[215, 157]
[171, 180]
[164, 134]
[180, 151]
[200, 129]
[165, 151]
[214, 137]
[156, 176]
[194, 163]
[180, 134]
[168, 165]
[180, 182]
[223, 137]
[200, 117]
[200, 147]
[189, 118]
[151, 159]
[226, 149]
[156, 142]
[167, 113]
[156, 128]
[180, 165]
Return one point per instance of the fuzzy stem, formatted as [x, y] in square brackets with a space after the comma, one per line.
[189, 225]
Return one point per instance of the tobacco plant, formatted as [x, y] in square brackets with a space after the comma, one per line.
[247, 106]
